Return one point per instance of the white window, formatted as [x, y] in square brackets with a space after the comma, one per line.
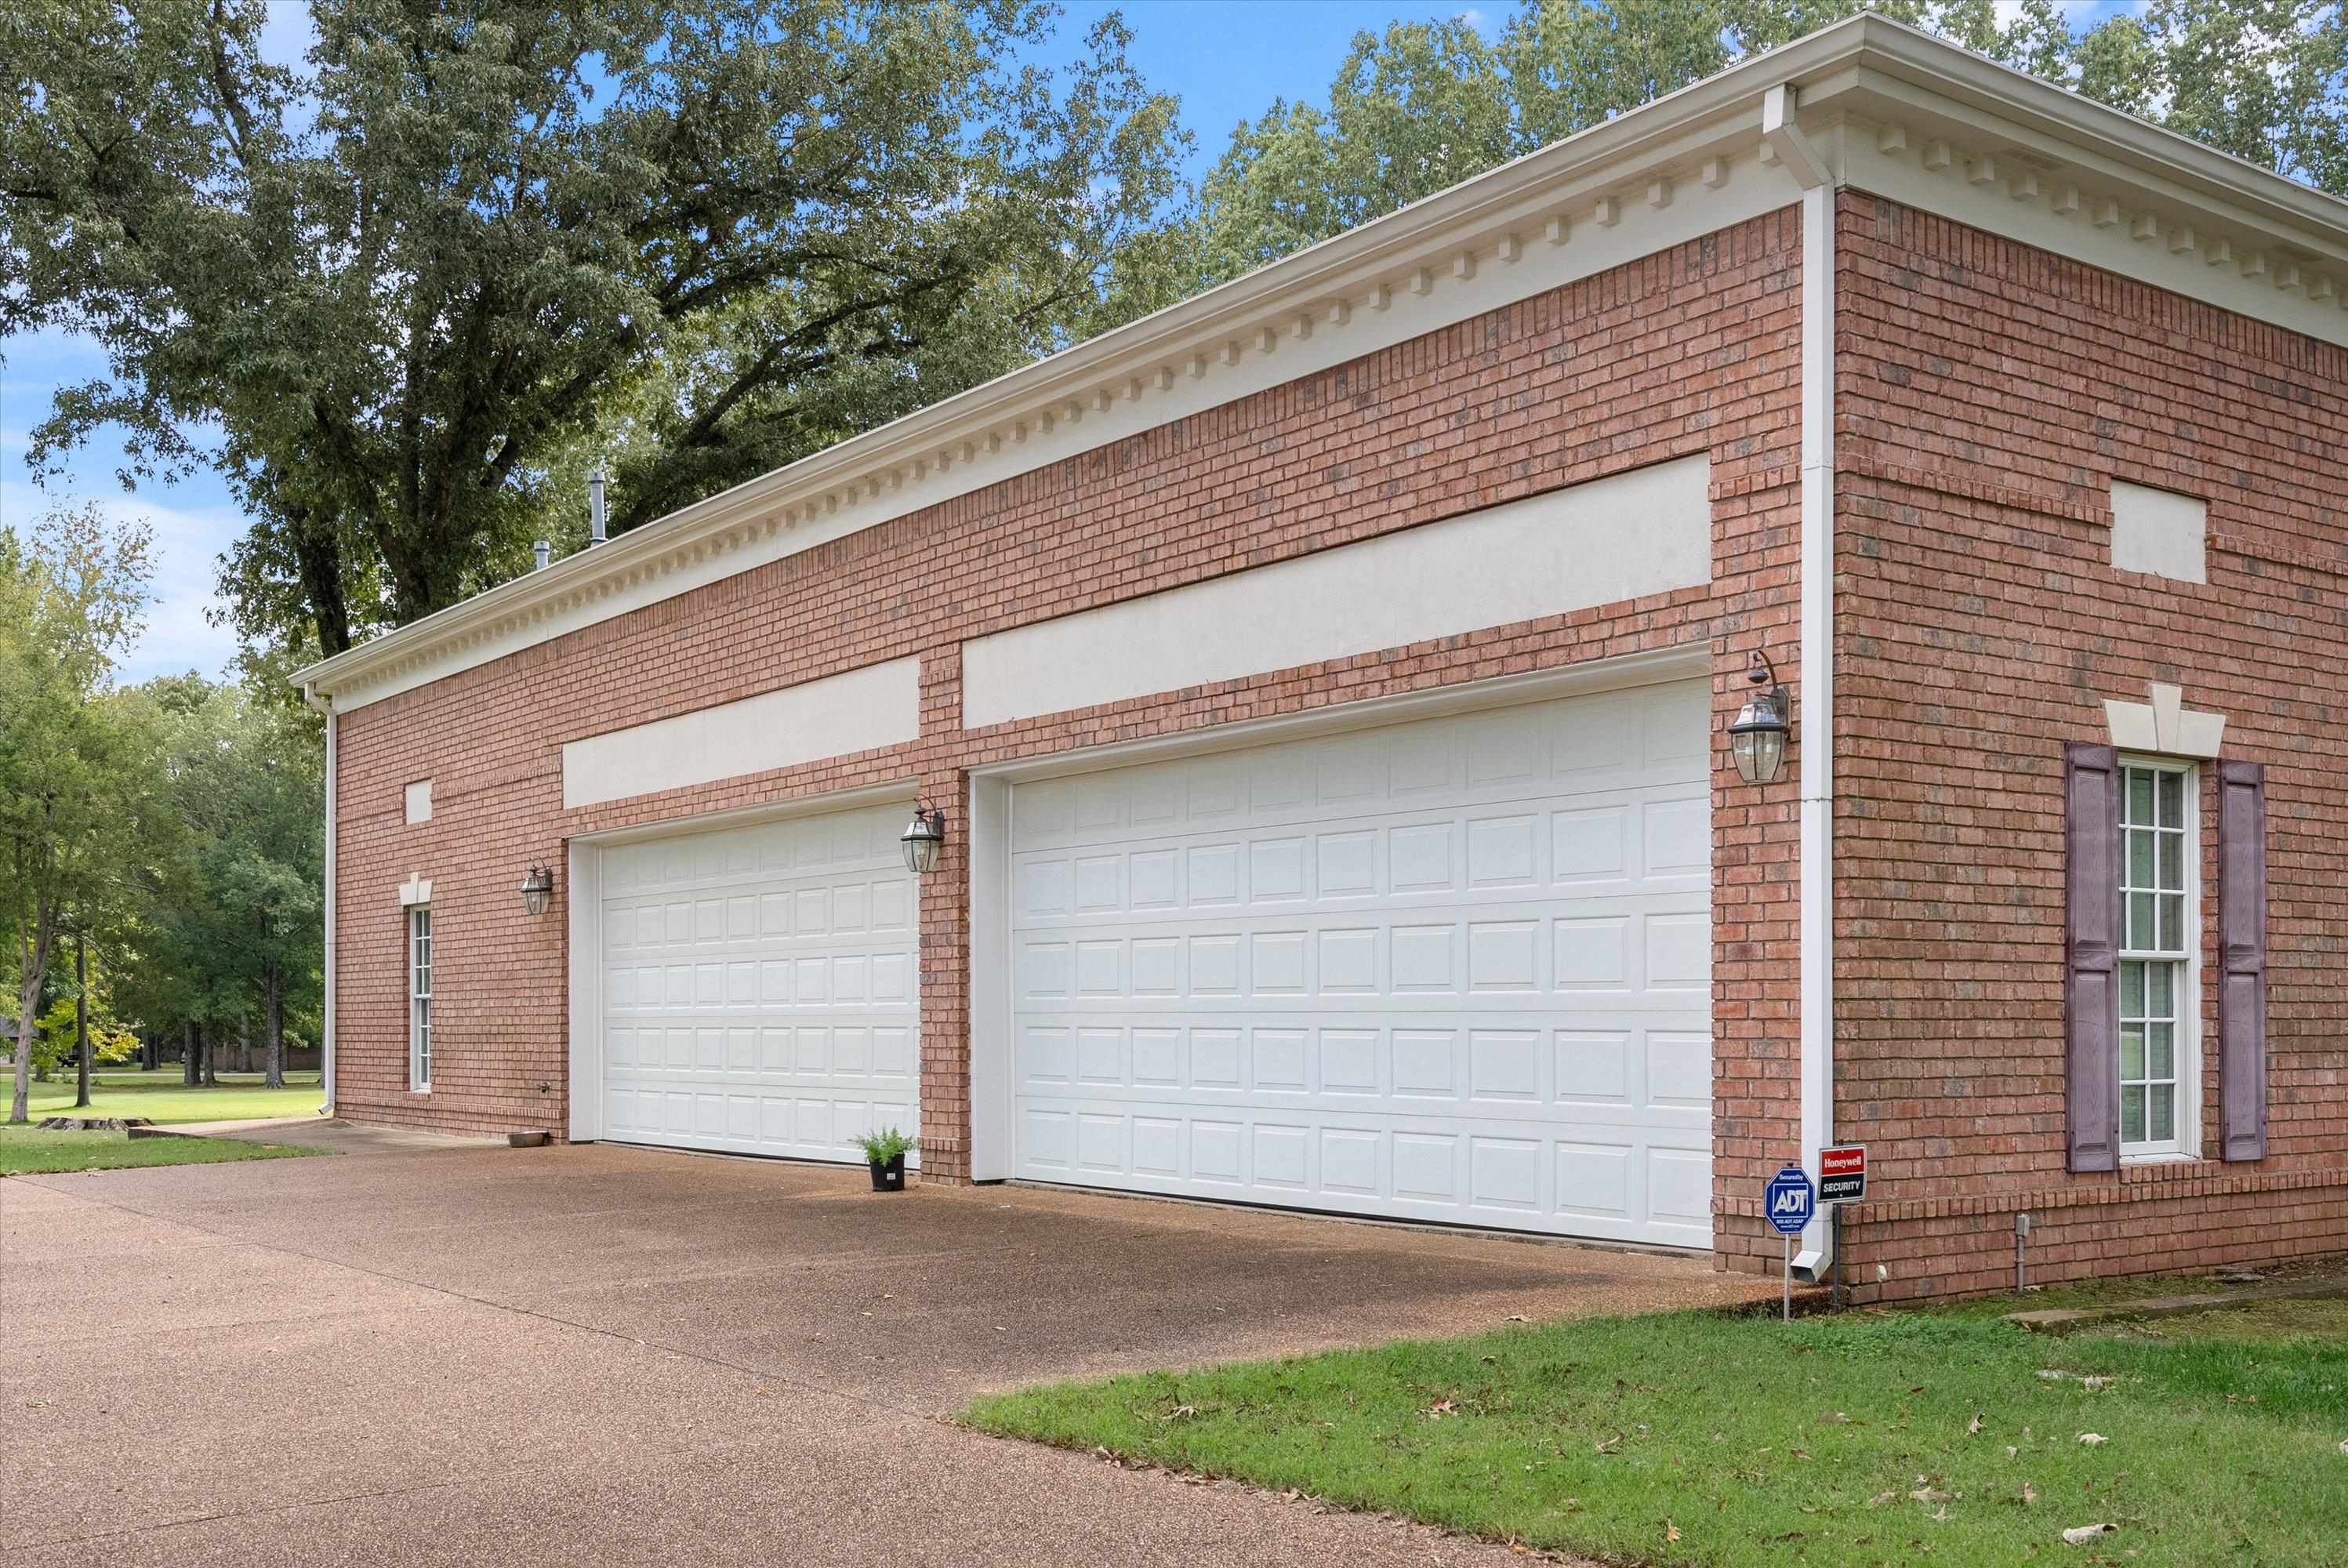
[2159, 946]
[419, 996]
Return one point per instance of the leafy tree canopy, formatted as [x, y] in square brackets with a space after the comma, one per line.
[1427, 104]
[398, 291]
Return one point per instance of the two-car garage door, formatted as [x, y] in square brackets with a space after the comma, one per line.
[1457, 969]
[758, 989]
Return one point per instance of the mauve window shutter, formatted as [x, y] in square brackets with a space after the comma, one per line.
[2242, 958]
[2091, 992]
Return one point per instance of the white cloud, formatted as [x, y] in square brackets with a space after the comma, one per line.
[1480, 21]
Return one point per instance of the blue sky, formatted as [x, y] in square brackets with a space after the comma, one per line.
[1227, 60]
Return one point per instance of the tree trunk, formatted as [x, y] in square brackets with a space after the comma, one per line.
[190, 1053]
[208, 1041]
[243, 1043]
[32, 973]
[273, 1015]
[81, 1019]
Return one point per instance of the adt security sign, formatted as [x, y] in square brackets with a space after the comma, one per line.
[1791, 1199]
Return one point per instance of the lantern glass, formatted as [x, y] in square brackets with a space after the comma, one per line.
[1757, 741]
[537, 891]
[923, 837]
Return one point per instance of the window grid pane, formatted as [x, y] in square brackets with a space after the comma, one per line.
[419, 996]
[2156, 862]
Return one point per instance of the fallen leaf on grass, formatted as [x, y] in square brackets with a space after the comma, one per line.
[1973, 1426]
[1440, 1409]
[2091, 1438]
[1929, 1495]
[1607, 1445]
[1671, 1531]
[1880, 1498]
[2086, 1533]
[1179, 1412]
[2029, 1494]
[2344, 1445]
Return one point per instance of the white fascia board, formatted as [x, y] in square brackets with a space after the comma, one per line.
[1605, 541]
[1172, 363]
[2092, 208]
[858, 710]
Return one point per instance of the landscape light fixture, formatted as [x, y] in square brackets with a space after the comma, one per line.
[1758, 737]
[923, 837]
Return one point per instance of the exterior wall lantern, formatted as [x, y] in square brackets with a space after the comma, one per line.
[536, 890]
[923, 837]
[1758, 737]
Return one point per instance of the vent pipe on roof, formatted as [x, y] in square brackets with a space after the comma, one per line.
[542, 553]
[595, 509]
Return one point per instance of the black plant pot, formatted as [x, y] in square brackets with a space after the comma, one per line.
[888, 1178]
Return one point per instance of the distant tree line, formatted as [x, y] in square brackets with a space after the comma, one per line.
[168, 834]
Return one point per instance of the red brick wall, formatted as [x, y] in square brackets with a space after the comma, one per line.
[1988, 393]
[1695, 350]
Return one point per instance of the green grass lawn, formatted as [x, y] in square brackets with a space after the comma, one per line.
[25, 1151]
[160, 1098]
[1940, 1438]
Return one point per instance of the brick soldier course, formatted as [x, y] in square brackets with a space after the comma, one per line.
[1986, 392]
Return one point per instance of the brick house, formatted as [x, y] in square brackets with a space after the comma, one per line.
[1325, 685]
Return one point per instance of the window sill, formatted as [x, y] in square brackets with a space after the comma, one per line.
[2139, 1161]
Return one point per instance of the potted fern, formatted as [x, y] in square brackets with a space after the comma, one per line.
[885, 1152]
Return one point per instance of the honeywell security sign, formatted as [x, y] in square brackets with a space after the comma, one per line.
[1842, 1174]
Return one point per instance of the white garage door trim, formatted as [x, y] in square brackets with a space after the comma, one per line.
[584, 901]
[994, 1091]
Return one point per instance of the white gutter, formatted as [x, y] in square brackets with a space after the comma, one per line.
[1816, 704]
[327, 1012]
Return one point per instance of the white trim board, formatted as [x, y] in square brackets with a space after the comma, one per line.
[1609, 540]
[859, 711]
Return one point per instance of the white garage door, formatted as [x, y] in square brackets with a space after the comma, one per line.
[1453, 970]
[759, 987]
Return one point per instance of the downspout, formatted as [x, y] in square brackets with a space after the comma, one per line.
[326, 704]
[1783, 139]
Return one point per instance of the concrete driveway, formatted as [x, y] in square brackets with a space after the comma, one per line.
[420, 1352]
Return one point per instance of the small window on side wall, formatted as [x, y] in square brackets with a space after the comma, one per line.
[2160, 533]
[419, 997]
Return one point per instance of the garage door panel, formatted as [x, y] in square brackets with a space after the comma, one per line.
[759, 987]
[1459, 968]
[1656, 840]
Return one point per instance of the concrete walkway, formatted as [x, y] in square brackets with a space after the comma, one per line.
[440, 1354]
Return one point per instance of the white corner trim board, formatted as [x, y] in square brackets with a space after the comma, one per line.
[1614, 539]
[2165, 727]
[859, 711]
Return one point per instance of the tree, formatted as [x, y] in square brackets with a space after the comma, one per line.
[228, 929]
[406, 279]
[77, 759]
[1427, 105]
